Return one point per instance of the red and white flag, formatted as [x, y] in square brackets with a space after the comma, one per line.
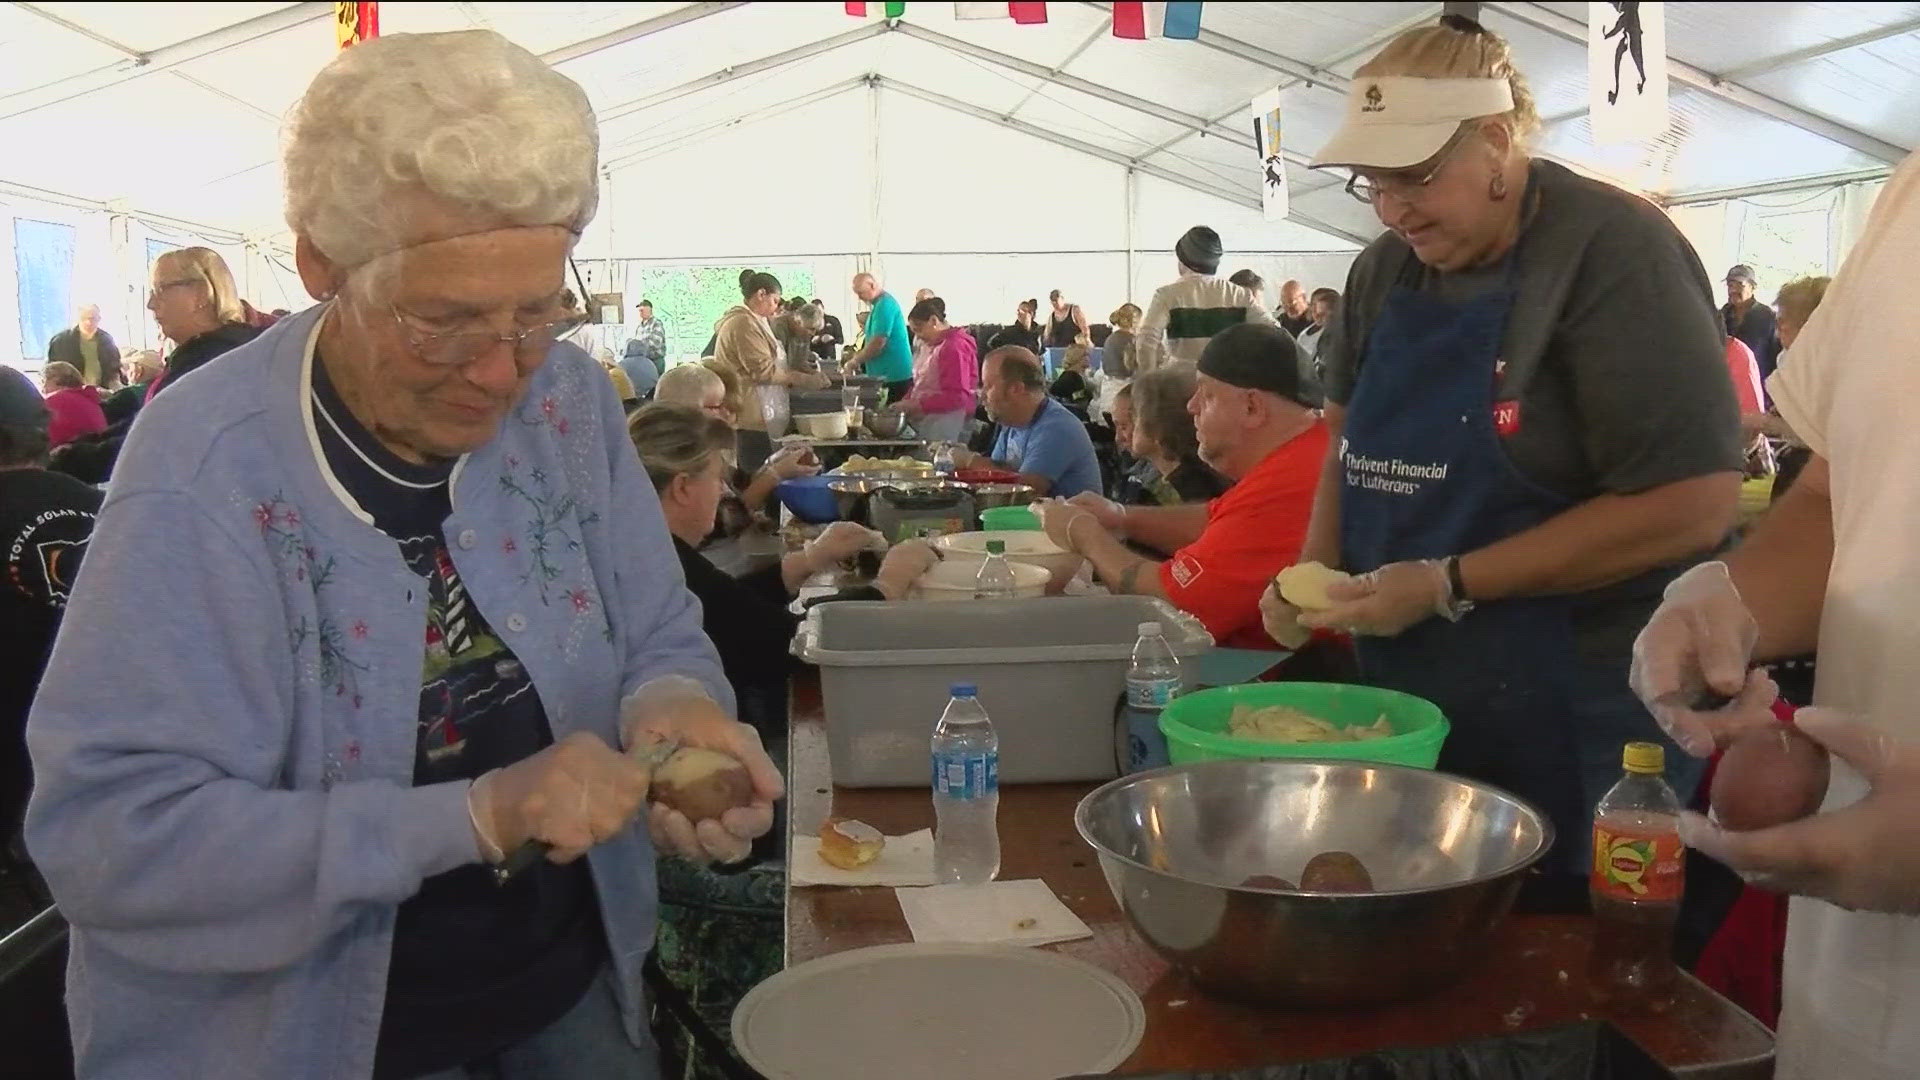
[1139, 21]
[1020, 13]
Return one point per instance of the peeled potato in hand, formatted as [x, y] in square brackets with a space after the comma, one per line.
[1768, 777]
[702, 783]
[1304, 585]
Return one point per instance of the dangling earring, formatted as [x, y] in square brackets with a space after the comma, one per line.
[1497, 187]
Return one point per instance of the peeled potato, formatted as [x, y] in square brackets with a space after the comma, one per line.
[1768, 777]
[702, 783]
[1304, 585]
[1336, 871]
[1267, 881]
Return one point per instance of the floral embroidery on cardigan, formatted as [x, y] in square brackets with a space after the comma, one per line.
[552, 529]
[280, 526]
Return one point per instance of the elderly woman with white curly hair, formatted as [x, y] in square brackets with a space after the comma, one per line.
[406, 596]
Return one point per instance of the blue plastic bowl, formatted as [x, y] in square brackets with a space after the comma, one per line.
[809, 499]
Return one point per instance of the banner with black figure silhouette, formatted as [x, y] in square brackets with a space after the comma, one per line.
[1626, 71]
[1273, 166]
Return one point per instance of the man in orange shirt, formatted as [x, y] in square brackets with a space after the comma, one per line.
[1255, 428]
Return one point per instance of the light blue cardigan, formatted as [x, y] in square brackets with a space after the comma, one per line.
[224, 741]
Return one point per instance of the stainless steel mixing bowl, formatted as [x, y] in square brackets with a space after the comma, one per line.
[990, 496]
[1446, 856]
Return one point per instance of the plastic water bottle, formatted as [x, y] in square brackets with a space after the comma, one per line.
[943, 459]
[996, 580]
[1153, 680]
[966, 792]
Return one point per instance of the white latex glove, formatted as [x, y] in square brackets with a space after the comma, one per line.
[1057, 519]
[1386, 602]
[903, 566]
[1281, 620]
[572, 795]
[839, 541]
[792, 460]
[1701, 639]
[1111, 515]
[1863, 857]
[677, 709]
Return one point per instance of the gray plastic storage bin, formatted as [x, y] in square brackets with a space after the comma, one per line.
[1049, 672]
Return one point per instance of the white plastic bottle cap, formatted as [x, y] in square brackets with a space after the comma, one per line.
[1149, 628]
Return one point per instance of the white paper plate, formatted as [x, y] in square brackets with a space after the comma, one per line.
[939, 1012]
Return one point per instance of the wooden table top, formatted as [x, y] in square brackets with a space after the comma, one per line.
[1532, 977]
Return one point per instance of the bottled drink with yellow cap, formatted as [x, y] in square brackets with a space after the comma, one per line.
[1639, 874]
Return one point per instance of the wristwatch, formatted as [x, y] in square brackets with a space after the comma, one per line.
[1457, 603]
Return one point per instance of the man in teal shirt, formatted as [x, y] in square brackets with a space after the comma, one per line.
[887, 351]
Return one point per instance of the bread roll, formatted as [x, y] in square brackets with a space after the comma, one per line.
[850, 845]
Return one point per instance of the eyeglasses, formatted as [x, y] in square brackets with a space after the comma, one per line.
[461, 347]
[1401, 185]
[154, 293]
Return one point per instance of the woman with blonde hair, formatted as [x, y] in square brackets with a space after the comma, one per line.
[1074, 385]
[198, 308]
[1513, 481]
[1116, 356]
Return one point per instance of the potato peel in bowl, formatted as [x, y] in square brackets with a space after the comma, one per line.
[1286, 724]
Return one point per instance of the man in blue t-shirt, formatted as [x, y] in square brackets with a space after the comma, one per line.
[887, 352]
[1039, 438]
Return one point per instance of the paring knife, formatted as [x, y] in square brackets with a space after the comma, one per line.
[650, 757]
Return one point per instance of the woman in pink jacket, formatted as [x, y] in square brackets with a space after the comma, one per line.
[942, 399]
[74, 405]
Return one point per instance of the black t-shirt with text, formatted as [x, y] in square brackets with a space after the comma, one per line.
[477, 967]
[46, 520]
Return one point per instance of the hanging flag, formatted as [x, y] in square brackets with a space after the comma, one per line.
[355, 22]
[894, 8]
[1140, 21]
[1627, 72]
[1273, 165]
[1031, 14]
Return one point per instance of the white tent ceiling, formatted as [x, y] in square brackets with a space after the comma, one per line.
[173, 108]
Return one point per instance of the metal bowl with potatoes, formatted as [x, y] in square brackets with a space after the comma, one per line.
[1215, 865]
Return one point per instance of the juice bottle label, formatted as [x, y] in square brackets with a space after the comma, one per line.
[1637, 865]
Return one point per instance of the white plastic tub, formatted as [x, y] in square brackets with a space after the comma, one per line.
[1023, 546]
[957, 579]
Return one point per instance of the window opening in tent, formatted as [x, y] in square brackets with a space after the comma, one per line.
[43, 265]
[1782, 246]
[691, 299]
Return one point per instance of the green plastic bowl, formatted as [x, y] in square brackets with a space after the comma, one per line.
[1016, 518]
[1196, 725]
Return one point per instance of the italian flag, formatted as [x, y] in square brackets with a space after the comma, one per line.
[894, 8]
[1025, 14]
[1140, 21]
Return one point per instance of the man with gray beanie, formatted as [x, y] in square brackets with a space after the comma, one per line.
[1184, 315]
[1256, 428]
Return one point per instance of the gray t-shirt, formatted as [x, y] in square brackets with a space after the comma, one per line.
[1614, 352]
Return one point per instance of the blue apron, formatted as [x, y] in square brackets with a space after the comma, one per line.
[1427, 477]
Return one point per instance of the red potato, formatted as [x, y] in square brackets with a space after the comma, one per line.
[1267, 881]
[1769, 777]
[702, 783]
[1336, 871]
